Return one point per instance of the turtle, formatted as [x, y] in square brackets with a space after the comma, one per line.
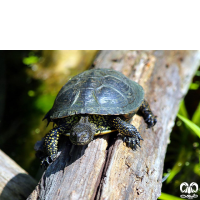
[96, 102]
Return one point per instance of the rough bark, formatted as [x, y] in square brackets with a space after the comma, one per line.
[106, 168]
[15, 183]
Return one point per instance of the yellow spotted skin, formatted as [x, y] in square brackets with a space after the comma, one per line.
[51, 141]
[131, 136]
[101, 123]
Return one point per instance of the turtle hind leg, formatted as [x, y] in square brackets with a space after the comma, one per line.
[131, 136]
[149, 117]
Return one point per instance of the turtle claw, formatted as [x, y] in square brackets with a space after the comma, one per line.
[133, 142]
[47, 161]
[151, 120]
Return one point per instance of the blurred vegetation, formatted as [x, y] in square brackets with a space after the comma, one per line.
[29, 83]
[182, 161]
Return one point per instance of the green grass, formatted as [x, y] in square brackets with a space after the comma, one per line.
[165, 196]
[182, 161]
[190, 124]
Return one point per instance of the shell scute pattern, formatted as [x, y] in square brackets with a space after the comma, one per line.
[96, 91]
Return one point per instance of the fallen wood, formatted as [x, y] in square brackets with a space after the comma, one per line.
[106, 168]
[15, 183]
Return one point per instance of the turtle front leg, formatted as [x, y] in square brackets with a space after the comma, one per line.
[131, 136]
[51, 144]
[147, 114]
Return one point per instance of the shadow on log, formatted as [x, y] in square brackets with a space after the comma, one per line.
[15, 183]
[106, 168]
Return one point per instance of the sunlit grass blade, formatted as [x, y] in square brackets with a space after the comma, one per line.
[182, 109]
[165, 196]
[177, 166]
[173, 173]
[196, 116]
[190, 124]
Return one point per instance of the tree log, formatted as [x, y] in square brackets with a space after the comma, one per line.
[106, 168]
[15, 183]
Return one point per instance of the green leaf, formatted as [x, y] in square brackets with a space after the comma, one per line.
[165, 196]
[194, 86]
[197, 169]
[44, 102]
[182, 109]
[173, 173]
[30, 60]
[177, 166]
[196, 116]
[190, 124]
[197, 73]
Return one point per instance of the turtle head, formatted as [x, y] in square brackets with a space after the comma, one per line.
[83, 132]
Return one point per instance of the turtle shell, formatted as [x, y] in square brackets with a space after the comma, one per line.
[97, 91]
